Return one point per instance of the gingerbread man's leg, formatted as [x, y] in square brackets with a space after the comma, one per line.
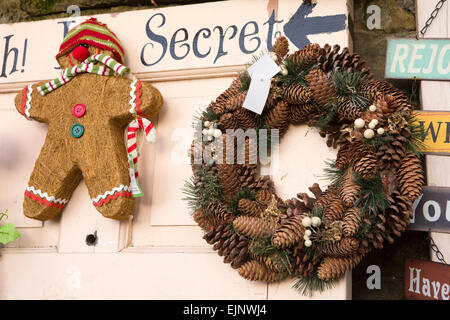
[52, 181]
[109, 187]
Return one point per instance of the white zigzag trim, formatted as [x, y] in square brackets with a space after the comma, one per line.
[46, 196]
[28, 105]
[110, 193]
[133, 96]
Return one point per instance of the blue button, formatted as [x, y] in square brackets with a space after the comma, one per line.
[77, 130]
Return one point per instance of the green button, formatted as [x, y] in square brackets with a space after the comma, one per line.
[77, 130]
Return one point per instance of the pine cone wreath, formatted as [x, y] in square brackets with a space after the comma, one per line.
[253, 227]
[256, 271]
[344, 247]
[322, 87]
[332, 268]
[289, 233]
[410, 177]
[352, 220]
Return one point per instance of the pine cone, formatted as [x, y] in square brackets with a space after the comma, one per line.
[390, 154]
[219, 232]
[245, 118]
[206, 222]
[352, 219]
[253, 227]
[290, 232]
[335, 210]
[297, 94]
[263, 183]
[366, 166]
[278, 117]
[257, 271]
[398, 214]
[310, 53]
[410, 177]
[376, 88]
[322, 87]
[305, 261]
[247, 175]
[342, 248]
[344, 156]
[349, 189]
[228, 121]
[281, 47]
[219, 105]
[333, 268]
[228, 179]
[301, 113]
[218, 211]
[328, 196]
[332, 60]
[250, 208]
[347, 110]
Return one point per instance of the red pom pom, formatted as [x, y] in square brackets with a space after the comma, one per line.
[81, 53]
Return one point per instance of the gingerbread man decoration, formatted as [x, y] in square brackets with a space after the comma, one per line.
[87, 109]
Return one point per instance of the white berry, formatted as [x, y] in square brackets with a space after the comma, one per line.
[284, 71]
[306, 222]
[217, 133]
[372, 125]
[380, 131]
[210, 138]
[274, 56]
[373, 108]
[205, 132]
[369, 134]
[308, 233]
[359, 123]
[211, 131]
[316, 221]
[308, 243]
[207, 123]
[305, 237]
[375, 121]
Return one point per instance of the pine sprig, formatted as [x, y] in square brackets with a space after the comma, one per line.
[201, 195]
[245, 80]
[348, 85]
[280, 258]
[333, 174]
[327, 117]
[242, 193]
[310, 284]
[371, 197]
[296, 71]
[416, 142]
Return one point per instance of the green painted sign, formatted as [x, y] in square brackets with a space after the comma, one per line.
[427, 59]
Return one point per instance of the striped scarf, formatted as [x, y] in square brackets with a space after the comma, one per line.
[87, 66]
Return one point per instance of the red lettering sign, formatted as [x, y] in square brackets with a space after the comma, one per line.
[426, 280]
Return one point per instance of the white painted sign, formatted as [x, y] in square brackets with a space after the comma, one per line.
[177, 38]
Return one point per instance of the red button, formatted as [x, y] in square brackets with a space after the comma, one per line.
[79, 110]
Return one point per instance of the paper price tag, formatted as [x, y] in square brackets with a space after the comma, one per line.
[261, 72]
[135, 188]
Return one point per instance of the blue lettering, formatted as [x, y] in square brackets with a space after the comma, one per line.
[206, 34]
[243, 35]
[173, 42]
[155, 37]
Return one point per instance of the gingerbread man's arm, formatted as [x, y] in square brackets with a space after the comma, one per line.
[32, 105]
[126, 99]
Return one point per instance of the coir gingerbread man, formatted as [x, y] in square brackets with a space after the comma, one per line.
[87, 110]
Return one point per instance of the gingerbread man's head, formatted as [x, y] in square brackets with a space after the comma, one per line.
[89, 38]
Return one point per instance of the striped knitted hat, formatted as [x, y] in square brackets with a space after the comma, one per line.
[95, 33]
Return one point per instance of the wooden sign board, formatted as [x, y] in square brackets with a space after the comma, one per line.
[164, 43]
[426, 280]
[435, 128]
[432, 210]
[427, 59]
